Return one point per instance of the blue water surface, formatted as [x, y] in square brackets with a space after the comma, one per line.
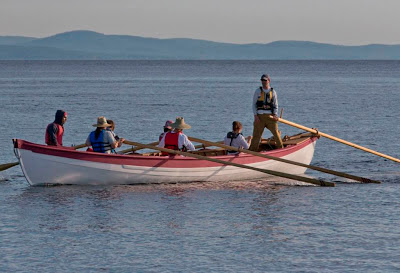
[244, 226]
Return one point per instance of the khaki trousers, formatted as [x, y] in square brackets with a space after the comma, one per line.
[266, 121]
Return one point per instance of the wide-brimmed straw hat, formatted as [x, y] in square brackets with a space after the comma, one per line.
[180, 124]
[101, 122]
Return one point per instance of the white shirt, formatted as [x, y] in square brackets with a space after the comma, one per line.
[182, 141]
[238, 142]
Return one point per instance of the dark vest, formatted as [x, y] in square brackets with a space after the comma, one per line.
[264, 102]
[232, 136]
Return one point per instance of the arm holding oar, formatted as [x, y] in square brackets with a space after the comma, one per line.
[275, 173]
[338, 140]
[357, 178]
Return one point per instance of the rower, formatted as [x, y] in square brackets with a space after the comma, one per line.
[111, 129]
[176, 139]
[236, 139]
[55, 130]
[167, 128]
[102, 140]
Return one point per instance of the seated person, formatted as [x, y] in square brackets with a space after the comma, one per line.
[55, 130]
[176, 139]
[112, 128]
[236, 139]
[167, 128]
[102, 140]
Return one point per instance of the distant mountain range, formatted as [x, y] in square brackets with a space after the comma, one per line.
[89, 45]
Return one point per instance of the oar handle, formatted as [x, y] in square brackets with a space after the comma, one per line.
[338, 140]
[132, 149]
[80, 146]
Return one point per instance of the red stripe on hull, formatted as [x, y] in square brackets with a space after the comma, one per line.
[153, 161]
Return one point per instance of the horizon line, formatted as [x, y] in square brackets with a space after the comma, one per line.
[197, 39]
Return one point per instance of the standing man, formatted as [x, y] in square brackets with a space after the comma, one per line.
[265, 110]
[55, 130]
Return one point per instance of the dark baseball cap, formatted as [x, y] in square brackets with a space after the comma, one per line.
[265, 77]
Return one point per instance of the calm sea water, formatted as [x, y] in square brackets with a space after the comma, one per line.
[203, 227]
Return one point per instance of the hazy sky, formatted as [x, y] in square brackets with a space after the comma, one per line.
[347, 22]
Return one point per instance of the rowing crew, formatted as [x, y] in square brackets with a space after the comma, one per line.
[103, 139]
[173, 137]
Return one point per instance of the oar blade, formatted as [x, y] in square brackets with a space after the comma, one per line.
[6, 166]
[367, 180]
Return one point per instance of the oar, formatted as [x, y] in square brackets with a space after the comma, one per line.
[152, 144]
[357, 178]
[136, 148]
[275, 173]
[338, 139]
[80, 146]
[6, 166]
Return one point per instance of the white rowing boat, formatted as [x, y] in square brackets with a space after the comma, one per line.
[44, 165]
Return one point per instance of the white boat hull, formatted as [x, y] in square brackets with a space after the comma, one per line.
[41, 169]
